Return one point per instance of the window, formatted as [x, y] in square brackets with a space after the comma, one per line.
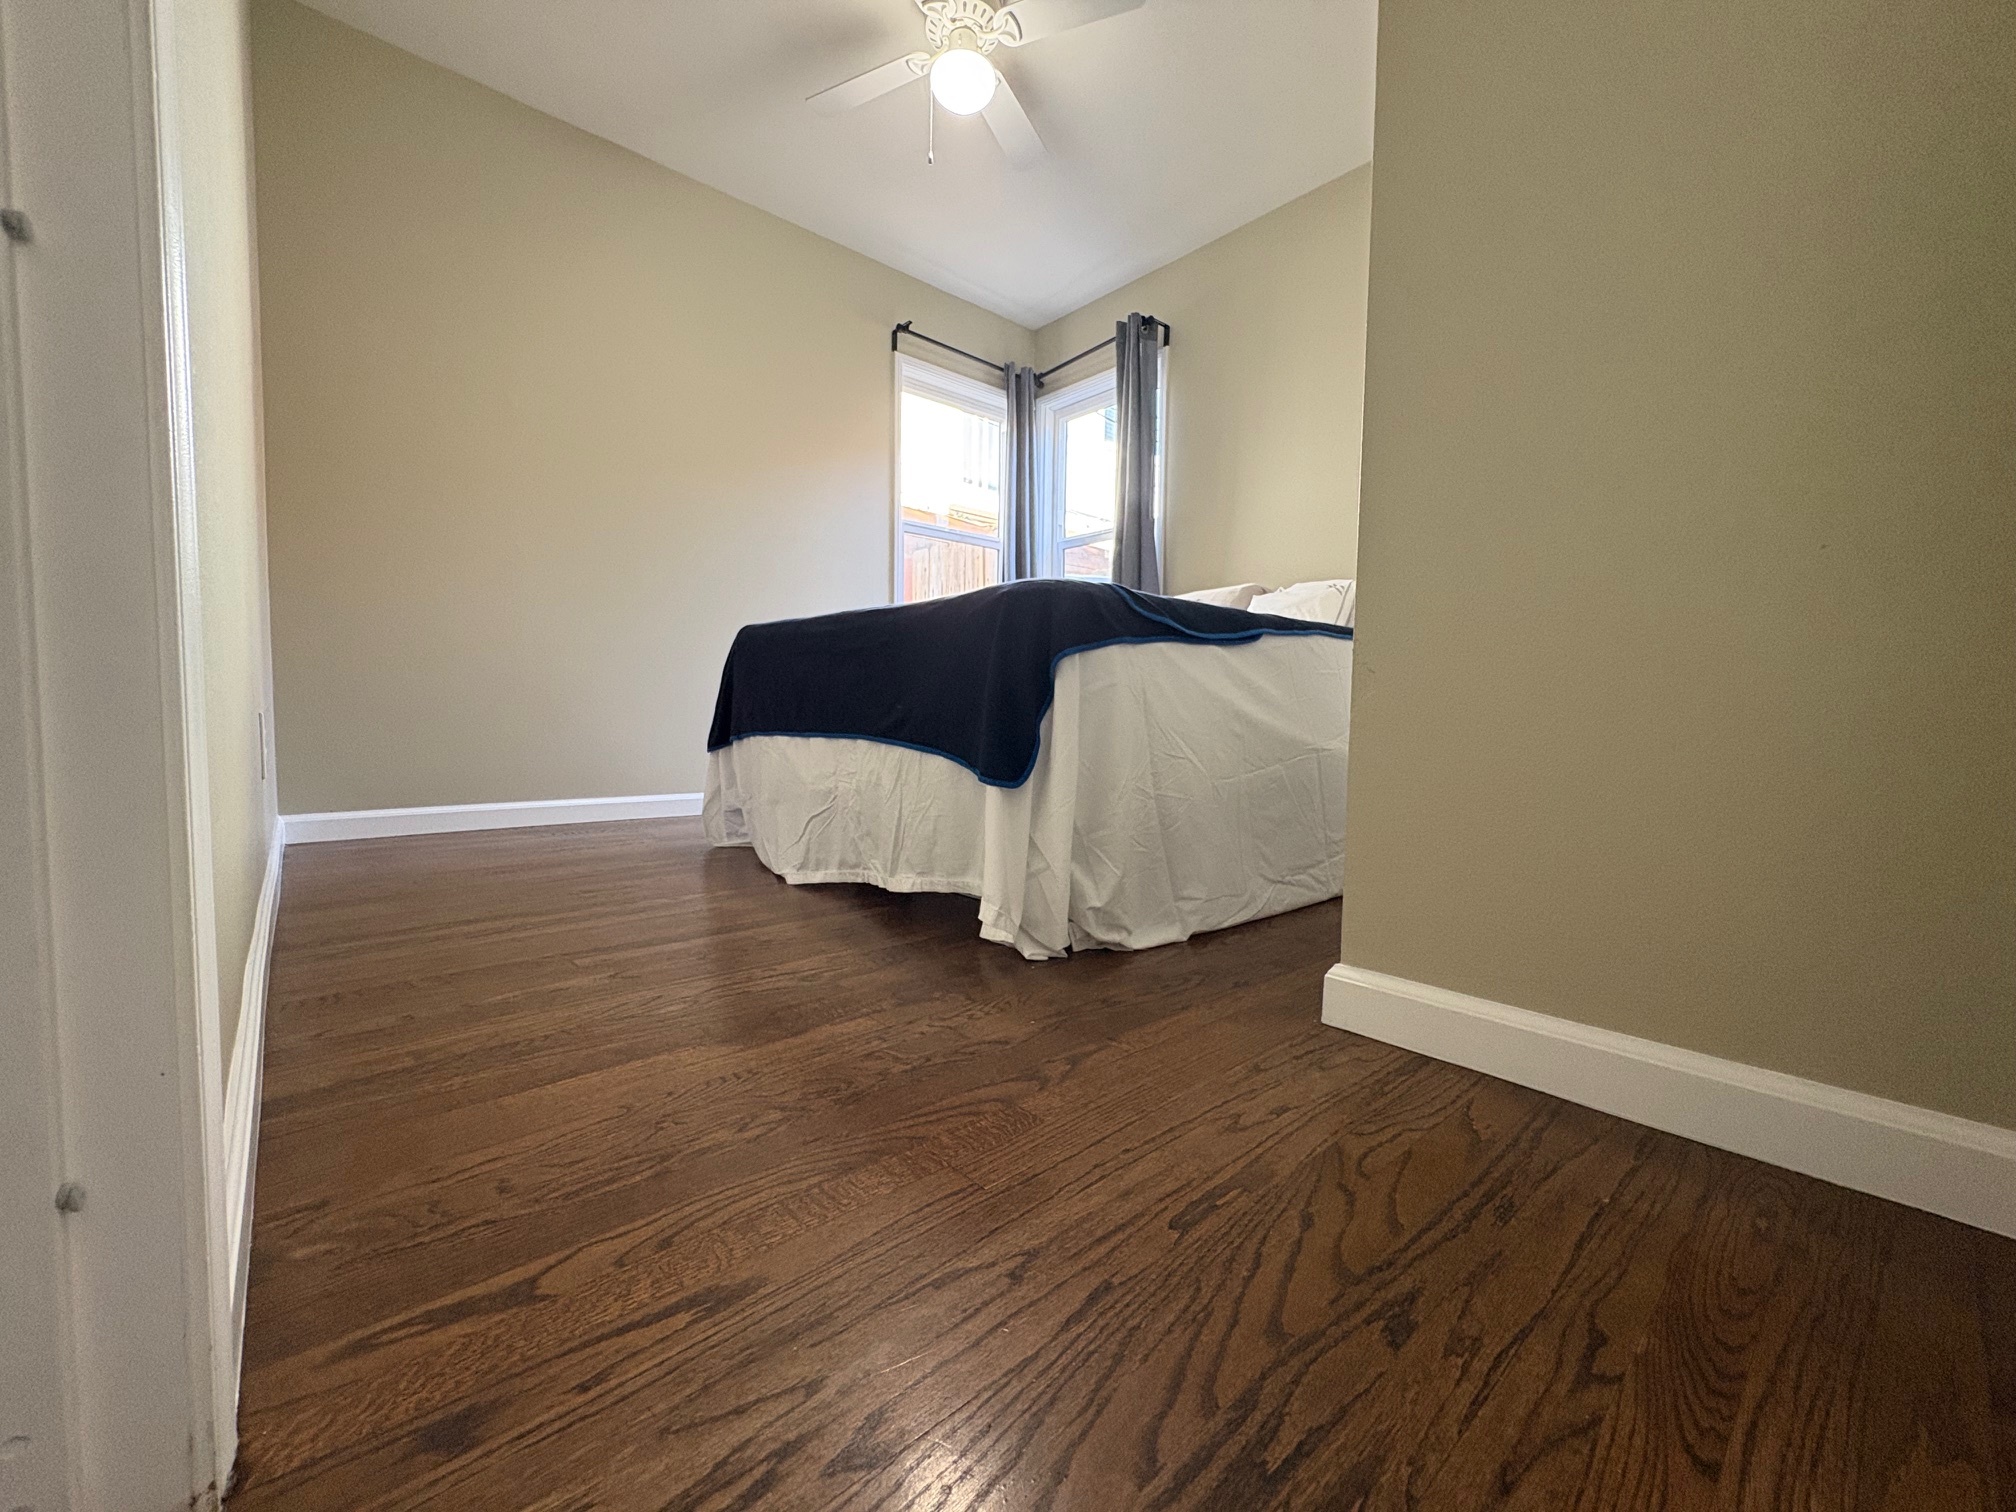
[951, 442]
[950, 434]
[1076, 434]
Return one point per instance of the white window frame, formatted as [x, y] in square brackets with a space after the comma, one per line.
[915, 376]
[1055, 411]
[1162, 454]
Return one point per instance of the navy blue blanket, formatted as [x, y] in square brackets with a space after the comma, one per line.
[967, 677]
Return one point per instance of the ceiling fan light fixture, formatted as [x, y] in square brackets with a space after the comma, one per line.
[961, 79]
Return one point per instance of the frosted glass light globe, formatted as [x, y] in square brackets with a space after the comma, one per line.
[962, 81]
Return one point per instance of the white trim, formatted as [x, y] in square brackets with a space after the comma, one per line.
[1163, 452]
[1952, 1166]
[371, 824]
[896, 477]
[208, 1155]
[241, 1103]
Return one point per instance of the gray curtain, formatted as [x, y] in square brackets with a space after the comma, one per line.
[1136, 558]
[1019, 545]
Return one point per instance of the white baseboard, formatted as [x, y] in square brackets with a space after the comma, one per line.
[242, 1087]
[1934, 1161]
[371, 824]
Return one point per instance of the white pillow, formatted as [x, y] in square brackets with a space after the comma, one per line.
[1331, 601]
[1238, 596]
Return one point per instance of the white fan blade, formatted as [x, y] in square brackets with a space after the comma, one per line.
[871, 85]
[1010, 124]
[1037, 19]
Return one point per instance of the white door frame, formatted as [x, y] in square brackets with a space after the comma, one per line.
[37, 1402]
[116, 1319]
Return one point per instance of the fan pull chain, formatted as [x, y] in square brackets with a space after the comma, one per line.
[930, 127]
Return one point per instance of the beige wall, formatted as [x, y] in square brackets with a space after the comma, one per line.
[211, 142]
[1686, 680]
[546, 423]
[1266, 389]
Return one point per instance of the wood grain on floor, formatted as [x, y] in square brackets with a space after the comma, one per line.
[601, 1170]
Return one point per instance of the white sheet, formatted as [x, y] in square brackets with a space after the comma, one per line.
[1331, 601]
[1178, 788]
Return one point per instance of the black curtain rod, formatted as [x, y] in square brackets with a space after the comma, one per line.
[905, 328]
[1100, 346]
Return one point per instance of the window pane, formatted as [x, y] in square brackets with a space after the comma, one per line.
[951, 466]
[1091, 472]
[932, 567]
[1090, 559]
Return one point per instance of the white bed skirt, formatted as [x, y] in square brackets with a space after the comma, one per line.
[1178, 788]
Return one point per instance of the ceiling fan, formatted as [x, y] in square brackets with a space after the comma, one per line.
[960, 38]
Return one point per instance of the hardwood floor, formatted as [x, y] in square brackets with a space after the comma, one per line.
[599, 1170]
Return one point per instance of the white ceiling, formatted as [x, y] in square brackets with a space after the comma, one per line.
[1167, 126]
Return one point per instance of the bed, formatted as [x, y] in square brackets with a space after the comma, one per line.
[1099, 768]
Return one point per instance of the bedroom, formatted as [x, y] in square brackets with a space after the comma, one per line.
[490, 1134]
